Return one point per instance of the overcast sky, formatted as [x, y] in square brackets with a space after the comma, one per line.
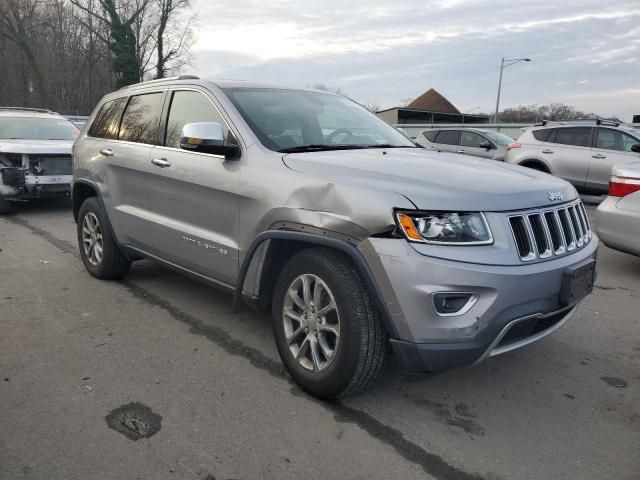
[584, 53]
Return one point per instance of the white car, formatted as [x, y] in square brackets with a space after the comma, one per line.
[618, 217]
[35, 155]
[582, 152]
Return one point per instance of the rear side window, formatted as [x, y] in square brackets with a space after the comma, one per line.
[615, 140]
[141, 118]
[192, 107]
[578, 136]
[107, 121]
[470, 139]
[430, 135]
[448, 137]
[543, 135]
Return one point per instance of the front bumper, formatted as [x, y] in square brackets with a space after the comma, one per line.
[515, 304]
[618, 228]
[41, 187]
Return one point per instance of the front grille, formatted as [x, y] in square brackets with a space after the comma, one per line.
[550, 232]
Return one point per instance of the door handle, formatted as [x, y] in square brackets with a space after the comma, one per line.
[107, 152]
[546, 150]
[161, 162]
[598, 155]
[461, 151]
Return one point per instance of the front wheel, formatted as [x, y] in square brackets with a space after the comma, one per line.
[327, 330]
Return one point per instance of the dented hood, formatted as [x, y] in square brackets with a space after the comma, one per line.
[435, 180]
[36, 146]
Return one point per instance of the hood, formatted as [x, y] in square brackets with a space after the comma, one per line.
[436, 180]
[36, 146]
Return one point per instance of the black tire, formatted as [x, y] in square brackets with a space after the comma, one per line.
[113, 264]
[5, 206]
[535, 166]
[361, 352]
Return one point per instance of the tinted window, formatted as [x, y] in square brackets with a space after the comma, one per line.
[141, 118]
[430, 135]
[107, 120]
[615, 140]
[542, 135]
[470, 139]
[499, 138]
[580, 136]
[448, 137]
[191, 107]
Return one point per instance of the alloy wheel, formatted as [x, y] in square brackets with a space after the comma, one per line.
[311, 322]
[92, 238]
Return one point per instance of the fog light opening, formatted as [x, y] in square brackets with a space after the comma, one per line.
[449, 304]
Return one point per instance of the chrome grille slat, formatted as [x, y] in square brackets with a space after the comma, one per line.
[544, 233]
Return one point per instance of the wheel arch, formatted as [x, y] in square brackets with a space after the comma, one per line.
[535, 164]
[80, 191]
[282, 244]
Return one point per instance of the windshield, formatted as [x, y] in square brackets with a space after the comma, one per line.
[35, 128]
[499, 138]
[294, 120]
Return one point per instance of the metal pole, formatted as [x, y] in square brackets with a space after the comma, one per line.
[495, 117]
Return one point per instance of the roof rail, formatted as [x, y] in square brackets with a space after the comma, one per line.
[597, 121]
[159, 80]
[25, 109]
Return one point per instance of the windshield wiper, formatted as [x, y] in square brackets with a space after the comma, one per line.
[320, 148]
[388, 145]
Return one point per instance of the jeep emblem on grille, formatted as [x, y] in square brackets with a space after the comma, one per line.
[554, 196]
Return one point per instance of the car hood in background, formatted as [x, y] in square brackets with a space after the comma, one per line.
[436, 180]
[36, 146]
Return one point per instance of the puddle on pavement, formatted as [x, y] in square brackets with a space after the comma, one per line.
[134, 420]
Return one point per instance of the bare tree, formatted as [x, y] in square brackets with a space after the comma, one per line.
[18, 20]
[171, 38]
[372, 106]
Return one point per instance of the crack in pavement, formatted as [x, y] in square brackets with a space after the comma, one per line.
[431, 463]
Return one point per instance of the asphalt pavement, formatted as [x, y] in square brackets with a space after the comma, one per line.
[153, 377]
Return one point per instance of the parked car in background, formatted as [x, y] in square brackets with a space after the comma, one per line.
[305, 204]
[581, 152]
[35, 155]
[618, 217]
[467, 141]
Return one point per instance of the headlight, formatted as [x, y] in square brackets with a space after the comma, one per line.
[444, 228]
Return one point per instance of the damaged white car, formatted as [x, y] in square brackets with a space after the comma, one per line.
[35, 155]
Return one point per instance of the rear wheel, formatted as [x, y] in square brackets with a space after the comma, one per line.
[100, 254]
[327, 331]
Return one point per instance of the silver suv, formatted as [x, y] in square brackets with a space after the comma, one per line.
[303, 203]
[581, 152]
[35, 155]
[468, 141]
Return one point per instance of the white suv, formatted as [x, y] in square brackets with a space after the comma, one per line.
[581, 152]
[35, 155]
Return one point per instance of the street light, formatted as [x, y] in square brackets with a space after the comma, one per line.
[504, 63]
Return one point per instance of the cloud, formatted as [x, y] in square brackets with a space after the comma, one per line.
[384, 51]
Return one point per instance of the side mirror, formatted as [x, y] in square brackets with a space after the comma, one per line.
[207, 137]
[486, 144]
[635, 147]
